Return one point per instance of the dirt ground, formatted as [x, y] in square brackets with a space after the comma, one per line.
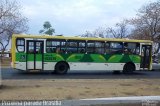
[49, 89]
[77, 88]
[5, 62]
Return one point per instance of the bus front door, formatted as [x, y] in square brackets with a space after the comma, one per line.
[34, 55]
[146, 56]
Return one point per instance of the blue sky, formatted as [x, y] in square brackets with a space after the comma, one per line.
[74, 17]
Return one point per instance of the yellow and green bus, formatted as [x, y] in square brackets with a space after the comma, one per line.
[61, 54]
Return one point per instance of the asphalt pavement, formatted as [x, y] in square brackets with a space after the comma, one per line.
[9, 73]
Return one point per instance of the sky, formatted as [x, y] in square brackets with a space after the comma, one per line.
[74, 17]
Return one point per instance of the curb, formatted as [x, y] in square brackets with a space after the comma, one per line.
[143, 100]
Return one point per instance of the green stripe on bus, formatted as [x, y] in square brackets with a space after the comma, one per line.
[99, 58]
[21, 57]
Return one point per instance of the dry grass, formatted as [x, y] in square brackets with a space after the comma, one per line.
[77, 88]
[5, 62]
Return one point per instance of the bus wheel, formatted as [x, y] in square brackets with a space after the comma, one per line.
[128, 68]
[61, 68]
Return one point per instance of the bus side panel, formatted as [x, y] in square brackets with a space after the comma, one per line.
[91, 61]
[96, 66]
[50, 60]
[49, 65]
[20, 61]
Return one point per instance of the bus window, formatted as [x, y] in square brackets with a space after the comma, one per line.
[131, 48]
[90, 47]
[107, 48]
[72, 47]
[49, 43]
[81, 47]
[52, 45]
[31, 47]
[137, 51]
[39, 47]
[116, 47]
[99, 47]
[55, 43]
[20, 44]
[63, 47]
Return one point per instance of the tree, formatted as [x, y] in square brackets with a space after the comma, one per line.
[99, 32]
[11, 21]
[87, 34]
[120, 30]
[147, 24]
[47, 29]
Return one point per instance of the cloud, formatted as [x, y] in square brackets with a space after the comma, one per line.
[64, 10]
[76, 16]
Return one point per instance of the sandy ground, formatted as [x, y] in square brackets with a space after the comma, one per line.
[5, 62]
[77, 88]
[49, 89]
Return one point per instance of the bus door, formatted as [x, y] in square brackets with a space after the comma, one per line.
[35, 55]
[146, 56]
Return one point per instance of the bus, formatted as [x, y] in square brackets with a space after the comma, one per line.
[61, 54]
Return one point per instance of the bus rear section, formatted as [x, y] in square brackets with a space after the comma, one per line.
[61, 54]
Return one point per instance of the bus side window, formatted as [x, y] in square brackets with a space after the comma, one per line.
[107, 48]
[58, 50]
[48, 46]
[116, 47]
[99, 47]
[90, 47]
[131, 48]
[20, 44]
[81, 47]
[72, 46]
[126, 48]
[56, 46]
[63, 47]
[137, 51]
[52, 45]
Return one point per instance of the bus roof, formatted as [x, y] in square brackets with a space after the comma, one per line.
[79, 38]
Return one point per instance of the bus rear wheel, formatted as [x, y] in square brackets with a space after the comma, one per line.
[61, 68]
[128, 68]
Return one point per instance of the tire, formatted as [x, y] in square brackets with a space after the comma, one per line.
[61, 68]
[128, 68]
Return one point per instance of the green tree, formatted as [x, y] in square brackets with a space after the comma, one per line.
[47, 29]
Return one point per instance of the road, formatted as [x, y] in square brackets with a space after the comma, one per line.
[9, 73]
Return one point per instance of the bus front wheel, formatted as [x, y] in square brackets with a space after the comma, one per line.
[61, 68]
[128, 68]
